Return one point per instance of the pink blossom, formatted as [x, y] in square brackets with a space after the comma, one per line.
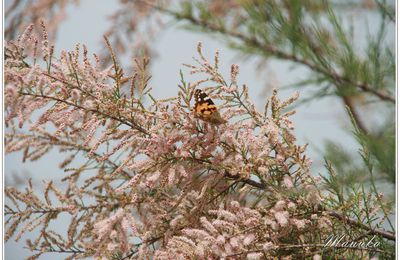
[255, 256]
[299, 223]
[248, 239]
[287, 180]
[291, 205]
[207, 225]
[280, 205]
[282, 217]
[317, 257]
[234, 242]
[196, 233]
[268, 245]
[221, 240]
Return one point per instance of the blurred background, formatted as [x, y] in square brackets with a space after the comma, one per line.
[326, 105]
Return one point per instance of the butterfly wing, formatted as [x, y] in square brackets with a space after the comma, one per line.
[205, 109]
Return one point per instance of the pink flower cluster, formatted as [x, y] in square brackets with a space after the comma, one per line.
[164, 183]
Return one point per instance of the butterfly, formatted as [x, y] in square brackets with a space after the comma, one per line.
[205, 109]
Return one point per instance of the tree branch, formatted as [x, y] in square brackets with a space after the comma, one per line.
[131, 124]
[355, 223]
[360, 125]
[337, 215]
[272, 50]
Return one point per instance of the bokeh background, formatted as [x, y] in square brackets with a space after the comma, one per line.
[316, 122]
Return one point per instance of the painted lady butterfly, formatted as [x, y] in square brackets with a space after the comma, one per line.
[205, 109]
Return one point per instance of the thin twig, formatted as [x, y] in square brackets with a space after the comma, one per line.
[131, 124]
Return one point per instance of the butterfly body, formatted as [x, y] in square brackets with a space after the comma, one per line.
[205, 109]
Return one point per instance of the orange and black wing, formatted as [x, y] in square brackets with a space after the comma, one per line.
[203, 106]
[205, 109]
